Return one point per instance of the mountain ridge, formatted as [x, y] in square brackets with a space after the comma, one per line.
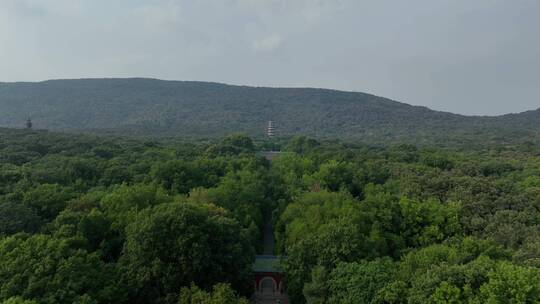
[149, 106]
[259, 87]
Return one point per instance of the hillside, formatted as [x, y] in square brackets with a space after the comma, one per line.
[198, 109]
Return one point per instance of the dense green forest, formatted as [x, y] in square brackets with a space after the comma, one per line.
[88, 219]
[212, 110]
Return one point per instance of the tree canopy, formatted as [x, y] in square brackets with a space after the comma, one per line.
[86, 219]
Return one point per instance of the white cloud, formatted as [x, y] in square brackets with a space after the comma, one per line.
[269, 43]
[160, 15]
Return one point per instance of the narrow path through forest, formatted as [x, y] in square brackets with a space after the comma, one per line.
[268, 229]
[268, 234]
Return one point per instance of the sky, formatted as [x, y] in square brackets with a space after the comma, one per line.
[477, 57]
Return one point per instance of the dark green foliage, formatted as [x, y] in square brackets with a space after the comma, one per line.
[232, 145]
[50, 270]
[360, 282]
[242, 192]
[172, 245]
[16, 217]
[336, 176]
[301, 144]
[317, 291]
[182, 176]
[124, 202]
[47, 200]
[92, 230]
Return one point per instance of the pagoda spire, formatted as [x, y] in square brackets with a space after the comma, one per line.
[29, 123]
[270, 129]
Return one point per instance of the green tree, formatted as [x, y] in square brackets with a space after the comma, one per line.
[360, 282]
[291, 169]
[123, 203]
[232, 145]
[178, 176]
[301, 144]
[444, 273]
[48, 199]
[50, 270]
[220, 294]
[446, 293]
[173, 245]
[336, 176]
[427, 222]
[16, 217]
[316, 291]
[321, 228]
[511, 284]
[18, 300]
[92, 229]
[243, 193]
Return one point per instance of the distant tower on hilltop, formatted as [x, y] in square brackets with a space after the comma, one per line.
[270, 129]
[29, 123]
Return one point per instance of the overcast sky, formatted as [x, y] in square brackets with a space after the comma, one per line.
[463, 56]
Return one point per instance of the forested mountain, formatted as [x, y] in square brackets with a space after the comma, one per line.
[199, 109]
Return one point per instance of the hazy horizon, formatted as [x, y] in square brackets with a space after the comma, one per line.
[472, 58]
